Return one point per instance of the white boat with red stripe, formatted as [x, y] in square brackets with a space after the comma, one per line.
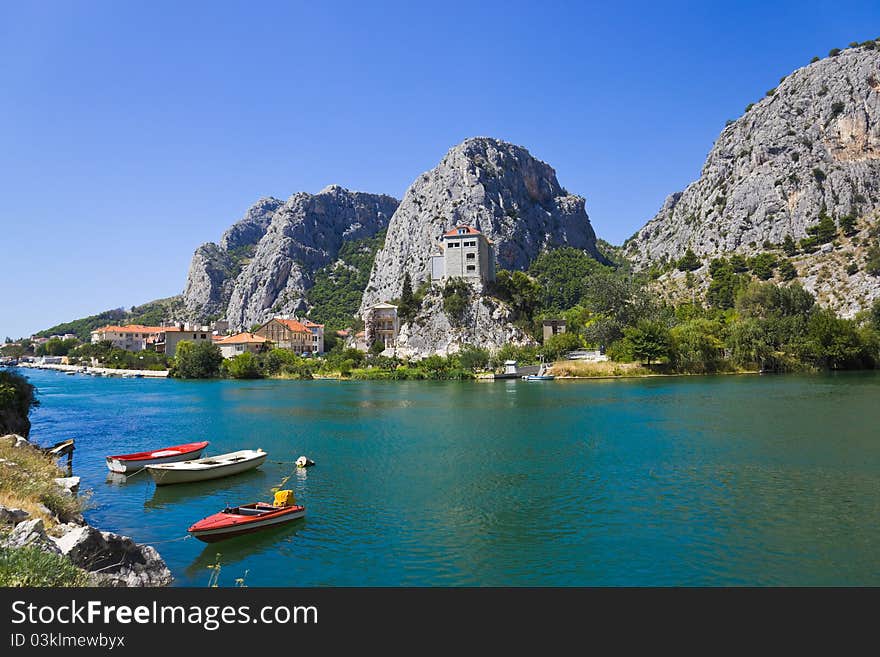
[126, 463]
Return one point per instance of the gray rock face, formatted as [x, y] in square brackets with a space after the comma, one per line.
[485, 323]
[496, 187]
[114, 560]
[250, 229]
[30, 533]
[814, 142]
[214, 267]
[305, 234]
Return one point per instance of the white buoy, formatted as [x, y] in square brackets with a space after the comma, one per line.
[304, 462]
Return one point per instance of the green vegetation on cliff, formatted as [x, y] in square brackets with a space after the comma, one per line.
[152, 313]
[336, 295]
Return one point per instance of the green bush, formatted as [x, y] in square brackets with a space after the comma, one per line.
[872, 261]
[763, 265]
[648, 341]
[16, 400]
[557, 346]
[31, 567]
[199, 360]
[561, 274]
[456, 299]
[689, 261]
[787, 270]
[473, 358]
[243, 366]
[697, 345]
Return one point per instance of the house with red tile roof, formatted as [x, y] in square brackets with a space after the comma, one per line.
[131, 337]
[289, 334]
[233, 345]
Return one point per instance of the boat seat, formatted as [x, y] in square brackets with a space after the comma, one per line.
[251, 512]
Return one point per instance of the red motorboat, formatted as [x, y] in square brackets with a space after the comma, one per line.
[247, 518]
[130, 462]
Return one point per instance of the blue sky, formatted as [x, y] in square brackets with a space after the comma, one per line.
[132, 132]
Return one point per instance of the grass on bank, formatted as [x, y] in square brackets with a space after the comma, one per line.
[30, 482]
[29, 566]
[580, 368]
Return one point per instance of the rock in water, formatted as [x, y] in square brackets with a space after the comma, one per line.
[496, 187]
[812, 143]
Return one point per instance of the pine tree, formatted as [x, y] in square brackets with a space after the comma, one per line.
[407, 306]
[689, 262]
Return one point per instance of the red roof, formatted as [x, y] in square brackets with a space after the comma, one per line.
[293, 325]
[130, 328]
[242, 338]
[468, 230]
[310, 324]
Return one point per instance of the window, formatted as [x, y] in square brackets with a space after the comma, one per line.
[462, 231]
[470, 243]
[471, 268]
[203, 336]
[454, 245]
[471, 256]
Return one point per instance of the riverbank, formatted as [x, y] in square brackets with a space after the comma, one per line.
[96, 371]
[44, 540]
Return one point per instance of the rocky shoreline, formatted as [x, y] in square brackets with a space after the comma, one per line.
[108, 559]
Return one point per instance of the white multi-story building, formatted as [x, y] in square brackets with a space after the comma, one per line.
[317, 331]
[381, 323]
[131, 337]
[464, 253]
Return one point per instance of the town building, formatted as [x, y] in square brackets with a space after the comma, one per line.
[317, 331]
[381, 323]
[170, 337]
[131, 337]
[239, 343]
[289, 334]
[464, 253]
[553, 327]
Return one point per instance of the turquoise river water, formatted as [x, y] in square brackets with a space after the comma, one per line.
[730, 480]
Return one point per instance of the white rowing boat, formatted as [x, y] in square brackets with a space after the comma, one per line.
[212, 467]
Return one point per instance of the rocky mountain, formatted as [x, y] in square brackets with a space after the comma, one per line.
[214, 267]
[497, 187]
[265, 262]
[810, 148]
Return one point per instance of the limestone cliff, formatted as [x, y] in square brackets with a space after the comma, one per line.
[265, 262]
[485, 322]
[813, 142]
[496, 187]
[305, 234]
[214, 267]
